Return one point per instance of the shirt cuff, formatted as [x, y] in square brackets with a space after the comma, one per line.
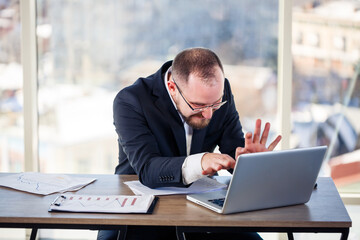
[191, 168]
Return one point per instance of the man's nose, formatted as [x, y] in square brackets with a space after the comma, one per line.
[207, 113]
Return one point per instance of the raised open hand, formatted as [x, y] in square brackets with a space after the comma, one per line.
[257, 143]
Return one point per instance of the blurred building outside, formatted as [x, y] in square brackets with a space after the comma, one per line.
[326, 49]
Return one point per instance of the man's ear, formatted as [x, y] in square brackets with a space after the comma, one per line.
[171, 85]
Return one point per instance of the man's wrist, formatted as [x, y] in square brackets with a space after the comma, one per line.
[191, 168]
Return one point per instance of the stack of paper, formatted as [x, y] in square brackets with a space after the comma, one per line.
[44, 184]
[204, 184]
[103, 204]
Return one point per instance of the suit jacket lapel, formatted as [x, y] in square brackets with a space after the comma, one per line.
[164, 104]
[179, 134]
[175, 122]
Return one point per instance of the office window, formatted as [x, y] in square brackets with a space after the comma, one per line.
[89, 50]
[11, 112]
[326, 96]
[11, 97]
[78, 78]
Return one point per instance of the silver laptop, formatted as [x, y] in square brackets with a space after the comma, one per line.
[267, 180]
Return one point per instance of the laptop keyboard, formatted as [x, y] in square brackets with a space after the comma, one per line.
[218, 201]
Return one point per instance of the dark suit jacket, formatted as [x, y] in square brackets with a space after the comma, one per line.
[151, 134]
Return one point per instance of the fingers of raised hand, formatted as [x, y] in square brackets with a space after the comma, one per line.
[248, 139]
[257, 131]
[274, 143]
[256, 143]
[265, 134]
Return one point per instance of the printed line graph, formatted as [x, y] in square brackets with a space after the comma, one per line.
[123, 203]
[42, 183]
[24, 180]
[116, 203]
[102, 203]
[39, 184]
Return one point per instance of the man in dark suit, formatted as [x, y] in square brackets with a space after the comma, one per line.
[170, 123]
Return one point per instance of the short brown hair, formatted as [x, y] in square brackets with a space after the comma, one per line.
[200, 61]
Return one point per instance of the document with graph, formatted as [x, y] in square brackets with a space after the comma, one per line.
[44, 183]
[103, 204]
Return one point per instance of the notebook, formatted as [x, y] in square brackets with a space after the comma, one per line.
[267, 180]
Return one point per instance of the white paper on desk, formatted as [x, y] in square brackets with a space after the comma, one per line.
[204, 184]
[44, 183]
[102, 204]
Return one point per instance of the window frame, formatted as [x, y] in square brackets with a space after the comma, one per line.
[30, 88]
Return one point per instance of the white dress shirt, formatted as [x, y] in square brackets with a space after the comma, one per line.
[191, 168]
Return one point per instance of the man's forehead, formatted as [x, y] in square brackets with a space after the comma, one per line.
[203, 92]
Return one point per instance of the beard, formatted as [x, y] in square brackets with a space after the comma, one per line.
[196, 121]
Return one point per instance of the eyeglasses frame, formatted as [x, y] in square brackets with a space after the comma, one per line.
[200, 109]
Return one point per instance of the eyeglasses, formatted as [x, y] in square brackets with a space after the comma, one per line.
[214, 106]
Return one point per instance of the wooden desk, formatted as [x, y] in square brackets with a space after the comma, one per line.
[325, 212]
